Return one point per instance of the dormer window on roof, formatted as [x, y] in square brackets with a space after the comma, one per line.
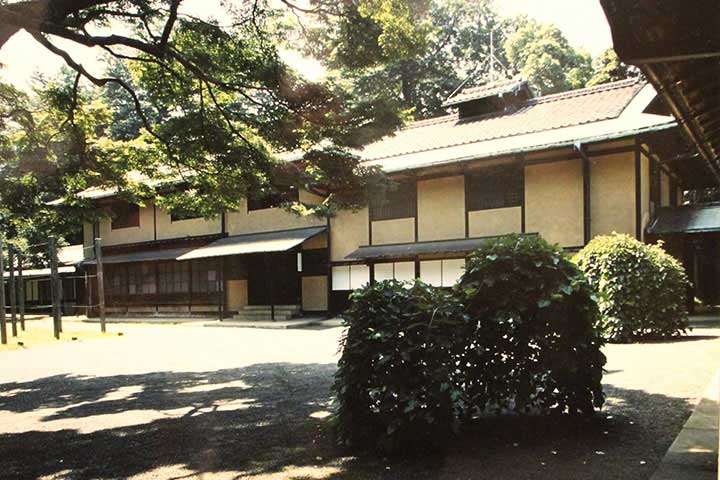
[492, 97]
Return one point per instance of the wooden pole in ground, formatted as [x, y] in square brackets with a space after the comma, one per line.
[55, 289]
[100, 282]
[21, 291]
[11, 290]
[3, 327]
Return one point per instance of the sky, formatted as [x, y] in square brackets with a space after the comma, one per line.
[582, 21]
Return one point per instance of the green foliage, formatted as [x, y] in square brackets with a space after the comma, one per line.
[450, 42]
[643, 288]
[518, 332]
[607, 68]
[542, 55]
[534, 316]
[394, 382]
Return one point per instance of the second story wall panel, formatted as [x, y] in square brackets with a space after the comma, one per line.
[441, 208]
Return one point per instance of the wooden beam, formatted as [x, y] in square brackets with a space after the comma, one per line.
[3, 326]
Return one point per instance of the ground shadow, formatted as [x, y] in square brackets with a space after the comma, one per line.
[271, 418]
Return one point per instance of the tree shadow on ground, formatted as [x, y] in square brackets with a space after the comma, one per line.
[269, 421]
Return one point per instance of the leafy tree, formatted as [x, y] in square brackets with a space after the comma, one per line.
[541, 53]
[450, 43]
[607, 68]
[217, 105]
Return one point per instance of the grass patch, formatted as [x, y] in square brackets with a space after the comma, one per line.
[35, 335]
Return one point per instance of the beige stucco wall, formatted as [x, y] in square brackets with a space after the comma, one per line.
[554, 201]
[664, 189]
[498, 221]
[314, 294]
[612, 194]
[348, 231]
[441, 209]
[266, 220]
[192, 227]
[400, 230]
[237, 294]
[319, 241]
[87, 239]
[144, 233]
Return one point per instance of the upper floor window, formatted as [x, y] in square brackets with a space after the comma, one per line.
[180, 216]
[495, 188]
[125, 215]
[397, 202]
[272, 200]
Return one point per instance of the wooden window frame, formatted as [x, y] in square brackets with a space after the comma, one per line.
[125, 215]
[395, 203]
[273, 200]
[495, 187]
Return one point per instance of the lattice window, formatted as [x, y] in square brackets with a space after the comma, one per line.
[125, 215]
[399, 201]
[495, 188]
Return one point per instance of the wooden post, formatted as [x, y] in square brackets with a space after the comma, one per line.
[221, 288]
[54, 288]
[100, 283]
[3, 327]
[11, 290]
[21, 291]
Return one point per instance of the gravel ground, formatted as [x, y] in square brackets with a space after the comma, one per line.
[166, 402]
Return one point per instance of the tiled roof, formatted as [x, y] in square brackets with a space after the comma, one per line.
[578, 107]
[487, 90]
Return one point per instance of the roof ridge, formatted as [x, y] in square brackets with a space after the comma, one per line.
[431, 121]
[584, 91]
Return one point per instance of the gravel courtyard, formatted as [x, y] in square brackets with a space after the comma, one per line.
[191, 402]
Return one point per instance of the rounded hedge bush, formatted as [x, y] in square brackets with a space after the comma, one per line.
[394, 383]
[517, 332]
[643, 289]
[533, 321]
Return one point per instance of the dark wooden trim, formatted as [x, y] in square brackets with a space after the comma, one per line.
[417, 267]
[155, 237]
[638, 193]
[415, 212]
[370, 222]
[371, 269]
[467, 211]
[523, 204]
[587, 207]
[328, 287]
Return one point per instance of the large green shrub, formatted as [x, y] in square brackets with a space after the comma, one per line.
[394, 384]
[517, 332]
[533, 324]
[643, 288]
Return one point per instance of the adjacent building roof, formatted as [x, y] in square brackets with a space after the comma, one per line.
[40, 272]
[677, 46]
[687, 219]
[142, 256]
[492, 89]
[265, 242]
[588, 114]
[408, 250]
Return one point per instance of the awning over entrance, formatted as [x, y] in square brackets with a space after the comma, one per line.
[265, 242]
[145, 256]
[687, 219]
[41, 272]
[407, 250]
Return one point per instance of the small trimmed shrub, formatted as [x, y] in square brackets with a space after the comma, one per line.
[643, 288]
[533, 330]
[394, 383]
[517, 332]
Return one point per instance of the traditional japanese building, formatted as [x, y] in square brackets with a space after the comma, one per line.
[567, 167]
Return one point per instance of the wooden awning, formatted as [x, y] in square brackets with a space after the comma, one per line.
[265, 242]
[687, 219]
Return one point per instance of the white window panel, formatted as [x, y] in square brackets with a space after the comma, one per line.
[431, 272]
[384, 271]
[359, 276]
[341, 278]
[452, 270]
[404, 271]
